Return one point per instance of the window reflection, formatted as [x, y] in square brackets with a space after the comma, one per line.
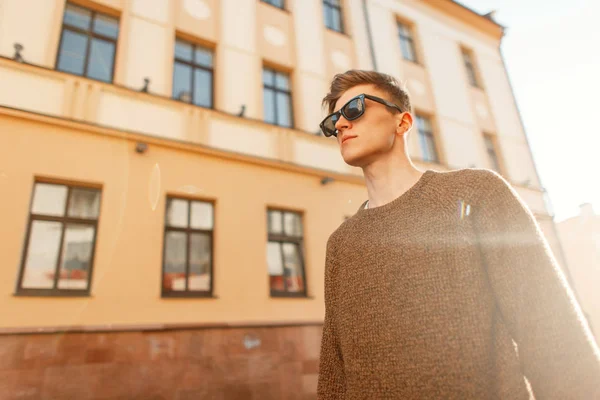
[59, 248]
[88, 43]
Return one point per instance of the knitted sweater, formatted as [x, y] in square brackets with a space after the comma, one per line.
[451, 292]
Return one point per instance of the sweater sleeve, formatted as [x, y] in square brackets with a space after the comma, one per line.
[332, 380]
[555, 345]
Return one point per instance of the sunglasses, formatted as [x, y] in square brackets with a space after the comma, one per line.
[352, 110]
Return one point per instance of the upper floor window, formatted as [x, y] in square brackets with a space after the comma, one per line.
[407, 43]
[490, 147]
[426, 139]
[277, 98]
[193, 74]
[60, 241]
[188, 248]
[332, 13]
[88, 43]
[285, 257]
[470, 67]
[276, 3]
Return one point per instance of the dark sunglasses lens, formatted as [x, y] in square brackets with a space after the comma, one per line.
[329, 125]
[354, 109]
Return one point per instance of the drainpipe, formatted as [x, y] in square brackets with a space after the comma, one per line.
[369, 34]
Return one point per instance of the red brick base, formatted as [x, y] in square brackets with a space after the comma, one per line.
[236, 363]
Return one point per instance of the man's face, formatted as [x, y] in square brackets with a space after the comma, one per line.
[362, 140]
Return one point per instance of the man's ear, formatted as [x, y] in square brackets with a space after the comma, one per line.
[404, 123]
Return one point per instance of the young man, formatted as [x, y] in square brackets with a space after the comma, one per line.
[442, 285]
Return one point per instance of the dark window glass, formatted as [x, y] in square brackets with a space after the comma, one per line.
[470, 67]
[183, 51]
[182, 82]
[284, 109]
[407, 44]
[332, 14]
[202, 88]
[72, 52]
[76, 256]
[106, 26]
[269, 106]
[88, 43]
[193, 74]
[60, 241]
[77, 17]
[490, 146]
[276, 3]
[187, 265]
[277, 98]
[101, 60]
[284, 254]
[426, 139]
[268, 77]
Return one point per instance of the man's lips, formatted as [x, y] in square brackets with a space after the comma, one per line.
[346, 138]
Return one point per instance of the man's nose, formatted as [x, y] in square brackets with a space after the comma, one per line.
[342, 123]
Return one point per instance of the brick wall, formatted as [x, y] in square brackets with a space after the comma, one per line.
[234, 363]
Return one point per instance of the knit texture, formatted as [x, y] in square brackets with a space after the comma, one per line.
[451, 292]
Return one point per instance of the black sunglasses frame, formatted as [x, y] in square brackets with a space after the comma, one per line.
[362, 98]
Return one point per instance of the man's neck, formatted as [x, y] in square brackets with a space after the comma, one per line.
[388, 179]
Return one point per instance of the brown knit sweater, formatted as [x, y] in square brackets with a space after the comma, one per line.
[451, 292]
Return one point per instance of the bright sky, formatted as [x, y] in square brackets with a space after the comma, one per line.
[552, 52]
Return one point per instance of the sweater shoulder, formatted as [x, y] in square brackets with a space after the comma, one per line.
[472, 183]
[335, 239]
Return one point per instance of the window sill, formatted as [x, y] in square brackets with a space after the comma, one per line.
[277, 125]
[51, 293]
[338, 32]
[415, 63]
[169, 296]
[291, 296]
[111, 82]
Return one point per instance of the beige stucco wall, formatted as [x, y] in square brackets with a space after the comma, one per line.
[580, 236]
[127, 267]
[245, 35]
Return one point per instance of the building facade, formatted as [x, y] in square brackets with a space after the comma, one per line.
[167, 196]
[580, 237]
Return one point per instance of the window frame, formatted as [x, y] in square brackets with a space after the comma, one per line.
[282, 238]
[338, 8]
[273, 5]
[90, 34]
[276, 90]
[490, 140]
[470, 68]
[194, 66]
[187, 293]
[410, 39]
[64, 220]
[429, 134]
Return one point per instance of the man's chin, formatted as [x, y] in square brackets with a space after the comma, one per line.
[353, 160]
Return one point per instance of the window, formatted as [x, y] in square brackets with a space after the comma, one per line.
[277, 98]
[332, 12]
[188, 248]
[426, 139]
[470, 67]
[61, 238]
[88, 43]
[490, 146]
[407, 43]
[276, 3]
[193, 74]
[284, 254]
